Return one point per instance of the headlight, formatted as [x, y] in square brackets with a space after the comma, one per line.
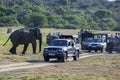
[46, 49]
[89, 45]
[60, 50]
[99, 45]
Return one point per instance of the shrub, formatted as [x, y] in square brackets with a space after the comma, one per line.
[116, 29]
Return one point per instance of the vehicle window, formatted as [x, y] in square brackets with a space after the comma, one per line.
[88, 40]
[97, 40]
[59, 43]
[69, 44]
[77, 40]
[72, 43]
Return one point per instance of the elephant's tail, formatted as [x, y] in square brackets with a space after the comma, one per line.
[6, 41]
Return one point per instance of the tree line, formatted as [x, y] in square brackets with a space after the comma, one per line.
[64, 14]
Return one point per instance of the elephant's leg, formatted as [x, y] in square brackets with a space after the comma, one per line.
[25, 48]
[34, 46]
[13, 50]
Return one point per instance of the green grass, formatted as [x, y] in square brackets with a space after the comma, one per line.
[57, 77]
[61, 77]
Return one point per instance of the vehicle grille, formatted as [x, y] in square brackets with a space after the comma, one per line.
[53, 49]
[94, 44]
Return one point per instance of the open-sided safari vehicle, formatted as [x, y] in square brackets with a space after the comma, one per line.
[113, 45]
[87, 37]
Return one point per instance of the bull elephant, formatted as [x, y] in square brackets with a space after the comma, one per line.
[25, 36]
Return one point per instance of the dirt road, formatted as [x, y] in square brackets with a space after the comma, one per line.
[35, 64]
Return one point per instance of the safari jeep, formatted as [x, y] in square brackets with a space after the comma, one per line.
[61, 49]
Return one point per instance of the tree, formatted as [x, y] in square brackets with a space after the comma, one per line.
[61, 11]
[103, 13]
[37, 20]
[107, 24]
[55, 21]
[8, 21]
[94, 14]
[63, 2]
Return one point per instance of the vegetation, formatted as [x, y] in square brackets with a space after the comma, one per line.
[69, 14]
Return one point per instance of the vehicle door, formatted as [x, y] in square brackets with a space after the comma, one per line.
[104, 44]
[71, 48]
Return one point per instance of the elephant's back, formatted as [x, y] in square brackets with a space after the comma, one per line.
[21, 36]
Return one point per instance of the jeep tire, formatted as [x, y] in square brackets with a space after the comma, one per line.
[89, 50]
[46, 59]
[101, 50]
[95, 50]
[76, 57]
[64, 58]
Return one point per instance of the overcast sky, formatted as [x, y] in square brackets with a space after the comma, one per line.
[111, 0]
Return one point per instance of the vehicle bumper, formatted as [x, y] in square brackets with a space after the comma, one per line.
[84, 47]
[53, 55]
[95, 48]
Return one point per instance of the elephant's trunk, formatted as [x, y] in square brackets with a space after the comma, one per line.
[40, 44]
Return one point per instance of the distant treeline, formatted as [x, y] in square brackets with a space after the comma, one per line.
[66, 14]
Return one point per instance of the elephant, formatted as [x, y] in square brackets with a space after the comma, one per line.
[24, 36]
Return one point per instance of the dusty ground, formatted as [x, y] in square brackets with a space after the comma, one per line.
[36, 63]
[105, 67]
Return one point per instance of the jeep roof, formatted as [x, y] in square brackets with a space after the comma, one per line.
[68, 36]
[64, 39]
[60, 42]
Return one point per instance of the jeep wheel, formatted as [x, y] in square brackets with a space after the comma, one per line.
[101, 50]
[76, 57]
[64, 58]
[46, 59]
[110, 51]
[95, 50]
[89, 50]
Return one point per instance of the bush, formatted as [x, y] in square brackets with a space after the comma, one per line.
[36, 20]
[116, 29]
[70, 27]
[8, 21]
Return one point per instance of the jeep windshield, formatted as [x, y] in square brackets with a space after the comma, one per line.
[97, 40]
[59, 43]
[88, 40]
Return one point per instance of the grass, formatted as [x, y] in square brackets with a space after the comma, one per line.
[58, 77]
[105, 67]
[61, 77]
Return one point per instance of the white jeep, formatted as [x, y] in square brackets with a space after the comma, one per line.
[97, 44]
[61, 49]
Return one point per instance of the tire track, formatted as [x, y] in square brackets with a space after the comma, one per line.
[28, 65]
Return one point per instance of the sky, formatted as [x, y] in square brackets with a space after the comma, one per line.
[111, 0]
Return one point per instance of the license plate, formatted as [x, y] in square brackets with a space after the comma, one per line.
[93, 46]
[51, 54]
